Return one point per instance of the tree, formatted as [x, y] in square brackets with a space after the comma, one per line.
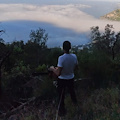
[108, 42]
[39, 36]
[17, 54]
[1, 59]
[35, 46]
[4, 53]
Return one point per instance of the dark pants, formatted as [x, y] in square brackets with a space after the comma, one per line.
[62, 85]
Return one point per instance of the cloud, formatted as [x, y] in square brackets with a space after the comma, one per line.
[66, 16]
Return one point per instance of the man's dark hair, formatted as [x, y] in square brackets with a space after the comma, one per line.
[66, 46]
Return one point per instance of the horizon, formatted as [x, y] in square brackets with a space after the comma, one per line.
[57, 18]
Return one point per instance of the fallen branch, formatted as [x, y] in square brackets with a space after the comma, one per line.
[8, 114]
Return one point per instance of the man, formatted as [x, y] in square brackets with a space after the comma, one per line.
[65, 72]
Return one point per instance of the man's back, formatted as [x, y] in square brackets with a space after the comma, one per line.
[68, 63]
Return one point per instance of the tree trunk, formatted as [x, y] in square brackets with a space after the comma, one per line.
[1, 63]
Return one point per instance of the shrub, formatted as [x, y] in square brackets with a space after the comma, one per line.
[14, 80]
[102, 105]
[45, 88]
[41, 68]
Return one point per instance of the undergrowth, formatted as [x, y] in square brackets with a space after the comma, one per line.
[100, 104]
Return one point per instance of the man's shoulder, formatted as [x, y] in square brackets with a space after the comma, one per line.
[61, 56]
[74, 55]
[65, 55]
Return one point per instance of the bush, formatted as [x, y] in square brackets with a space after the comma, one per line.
[41, 68]
[102, 104]
[96, 66]
[14, 81]
[45, 88]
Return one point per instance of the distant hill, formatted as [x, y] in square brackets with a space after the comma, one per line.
[114, 15]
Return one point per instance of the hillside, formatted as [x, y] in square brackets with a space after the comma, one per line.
[114, 15]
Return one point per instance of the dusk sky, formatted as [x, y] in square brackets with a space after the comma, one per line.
[63, 20]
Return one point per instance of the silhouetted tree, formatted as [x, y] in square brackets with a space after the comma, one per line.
[39, 36]
[108, 41]
[35, 46]
[2, 49]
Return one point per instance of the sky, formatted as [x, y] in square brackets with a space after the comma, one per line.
[63, 20]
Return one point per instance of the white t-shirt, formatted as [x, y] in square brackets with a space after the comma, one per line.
[68, 63]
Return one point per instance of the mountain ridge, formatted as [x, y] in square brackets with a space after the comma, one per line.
[114, 15]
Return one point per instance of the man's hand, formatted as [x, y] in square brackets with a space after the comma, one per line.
[56, 70]
[51, 68]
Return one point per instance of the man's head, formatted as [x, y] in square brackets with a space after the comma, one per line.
[66, 46]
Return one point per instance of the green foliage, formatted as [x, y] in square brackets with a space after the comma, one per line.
[52, 56]
[14, 81]
[35, 48]
[94, 65]
[20, 68]
[3, 49]
[103, 53]
[39, 36]
[102, 104]
[41, 68]
[32, 53]
[100, 62]
[18, 50]
[73, 111]
[107, 42]
[45, 88]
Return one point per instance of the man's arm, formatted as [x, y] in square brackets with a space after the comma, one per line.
[56, 70]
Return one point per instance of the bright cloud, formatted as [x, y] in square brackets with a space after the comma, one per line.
[65, 16]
